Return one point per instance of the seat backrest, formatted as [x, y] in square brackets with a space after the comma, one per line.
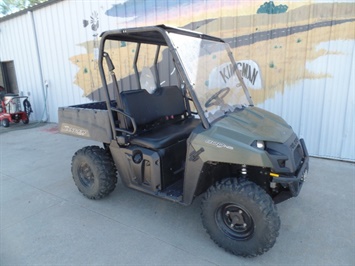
[146, 108]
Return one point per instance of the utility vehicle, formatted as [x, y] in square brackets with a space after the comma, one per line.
[11, 109]
[175, 127]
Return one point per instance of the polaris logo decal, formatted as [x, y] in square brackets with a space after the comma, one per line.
[218, 144]
[74, 130]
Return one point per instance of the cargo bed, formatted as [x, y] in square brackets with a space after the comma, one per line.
[89, 121]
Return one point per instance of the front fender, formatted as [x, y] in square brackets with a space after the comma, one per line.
[229, 150]
[202, 149]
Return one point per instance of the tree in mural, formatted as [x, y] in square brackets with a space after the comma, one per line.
[270, 8]
[10, 6]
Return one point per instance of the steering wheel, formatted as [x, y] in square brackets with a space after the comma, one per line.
[216, 98]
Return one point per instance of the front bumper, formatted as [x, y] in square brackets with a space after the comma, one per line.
[294, 182]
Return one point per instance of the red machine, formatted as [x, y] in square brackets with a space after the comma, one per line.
[11, 109]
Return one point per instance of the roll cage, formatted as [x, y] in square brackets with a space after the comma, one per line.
[159, 36]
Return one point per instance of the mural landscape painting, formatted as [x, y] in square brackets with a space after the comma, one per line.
[282, 44]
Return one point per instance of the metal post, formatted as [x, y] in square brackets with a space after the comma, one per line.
[38, 55]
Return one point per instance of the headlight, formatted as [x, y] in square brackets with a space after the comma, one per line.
[259, 144]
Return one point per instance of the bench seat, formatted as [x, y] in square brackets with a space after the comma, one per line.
[166, 136]
[161, 117]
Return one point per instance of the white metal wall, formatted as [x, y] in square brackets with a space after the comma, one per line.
[17, 44]
[323, 113]
[48, 75]
[321, 110]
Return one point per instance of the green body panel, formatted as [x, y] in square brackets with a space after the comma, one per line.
[229, 139]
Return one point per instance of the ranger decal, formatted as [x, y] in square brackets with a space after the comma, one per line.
[218, 144]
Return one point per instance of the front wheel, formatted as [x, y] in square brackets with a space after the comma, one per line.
[94, 172]
[240, 217]
[5, 122]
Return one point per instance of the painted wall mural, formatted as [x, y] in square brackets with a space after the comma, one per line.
[283, 38]
[298, 56]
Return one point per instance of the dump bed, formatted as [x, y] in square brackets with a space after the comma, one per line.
[89, 121]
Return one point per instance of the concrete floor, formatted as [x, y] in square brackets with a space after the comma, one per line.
[46, 220]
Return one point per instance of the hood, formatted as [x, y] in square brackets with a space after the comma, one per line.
[252, 123]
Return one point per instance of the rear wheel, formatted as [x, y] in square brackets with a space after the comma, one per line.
[5, 122]
[25, 121]
[94, 172]
[240, 217]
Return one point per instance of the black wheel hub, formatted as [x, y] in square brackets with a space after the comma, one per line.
[235, 222]
[86, 175]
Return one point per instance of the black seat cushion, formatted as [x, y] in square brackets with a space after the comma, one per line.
[160, 117]
[146, 108]
[166, 136]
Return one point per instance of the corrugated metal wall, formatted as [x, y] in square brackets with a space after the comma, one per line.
[306, 56]
[17, 45]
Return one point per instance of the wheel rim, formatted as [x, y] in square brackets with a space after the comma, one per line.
[86, 175]
[235, 221]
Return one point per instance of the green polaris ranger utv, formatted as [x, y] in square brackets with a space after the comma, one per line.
[177, 126]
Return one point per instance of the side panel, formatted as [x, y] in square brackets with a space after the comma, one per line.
[193, 167]
[172, 163]
[139, 168]
[192, 176]
[86, 123]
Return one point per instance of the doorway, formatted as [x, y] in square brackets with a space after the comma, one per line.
[8, 77]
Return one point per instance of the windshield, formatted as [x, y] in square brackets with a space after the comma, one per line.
[211, 73]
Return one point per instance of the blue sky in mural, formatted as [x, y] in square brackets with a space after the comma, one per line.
[137, 8]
